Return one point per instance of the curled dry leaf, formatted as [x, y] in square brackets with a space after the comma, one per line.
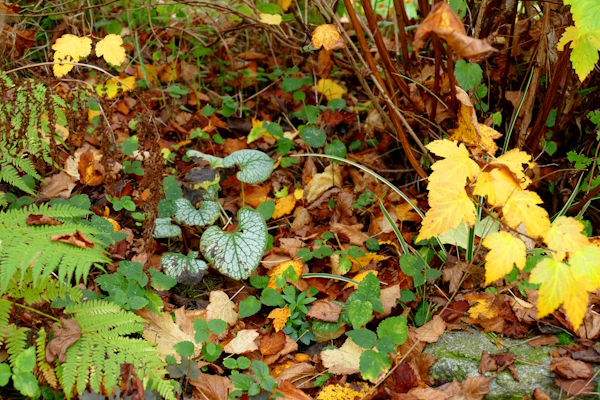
[301, 219]
[37, 219]
[58, 185]
[325, 310]
[77, 239]
[389, 298]
[331, 176]
[343, 361]
[353, 233]
[571, 369]
[280, 317]
[272, 343]
[220, 307]
[290, 346]
[297, 373]
[242, 343]
[64, 336]
[290, 391]
[91, 172]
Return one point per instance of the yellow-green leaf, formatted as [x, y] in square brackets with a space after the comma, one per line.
[565, 236]
[330, 89]
[556, 280]
[450, 206]
[270, 19]
[455, 168]
[506, 251]
[522, 207]
[585, 265]
[111, 48]
[576, 303]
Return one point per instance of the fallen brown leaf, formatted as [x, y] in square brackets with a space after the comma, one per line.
[325, 310]
[77, 239]
[290, 391]
[272, 343]
[211, 387]
[431, 331]
[242, 343]
[571, 369]
[64, 336]
[299, 374]
[36, 219]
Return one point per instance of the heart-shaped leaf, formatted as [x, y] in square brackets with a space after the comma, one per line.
[256, 166]
[236, 254]
[174, 264]
[164, 229]
[186, 213]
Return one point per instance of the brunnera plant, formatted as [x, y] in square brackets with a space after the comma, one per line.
[466, 177]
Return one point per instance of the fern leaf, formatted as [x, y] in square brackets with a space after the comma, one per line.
[5, 309]
[46, 370]
[16, 341]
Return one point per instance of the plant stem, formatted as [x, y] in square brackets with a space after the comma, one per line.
[37, 311]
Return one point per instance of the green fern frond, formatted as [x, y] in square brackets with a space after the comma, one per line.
[36, 248]
[47, 291]
[5, 309]
[96, 357]
[15, 340]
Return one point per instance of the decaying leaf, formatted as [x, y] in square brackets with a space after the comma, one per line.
[280, 317]
[211, 387]
[343, 361]
[220, 307]
[431, 331]
[242, 343]
[331, 176]
[325, 310]
[328, 36]
[77, 239]
[64, 336]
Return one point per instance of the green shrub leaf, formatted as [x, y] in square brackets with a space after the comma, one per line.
[206, 215]
[372, 364]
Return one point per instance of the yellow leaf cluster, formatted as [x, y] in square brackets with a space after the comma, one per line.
[279, 317]
[330, 89]
[72, 49]
[111, 48]
[448, 199]
[328, 36]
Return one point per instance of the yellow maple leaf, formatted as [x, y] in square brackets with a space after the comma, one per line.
[270, 19]
[514, 160]
[111, 48]
[522, 207]
[328, 36]
[498, 185]
[297, 265]
[405, 212]
[298, 194]
[576, 302]
[488, 135]
[284, 206]
[279, 317]
[359, 277]
[69, 48]
[115, 224]
[110, 89]
[449, 207]
[564, 236]
[330, 89]
[555, 279]
[585, 265]
[455, 168]
[506, 251]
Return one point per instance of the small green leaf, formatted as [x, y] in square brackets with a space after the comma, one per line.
[497, 118]
[372, 364]
[208, 110]
[184, 349]
[406, 296]
[395, 328]
[336, 148]
[468, 75]
[241, 381]
[206, 215]
[271, 297]
[370, 287]
[266, 209]
[137, 302]
[259, 282]
[25, 361]
[161, 281]
[236, 254]
[386, 345]
[360, 313]
[172, 190]
[313, 136]
[324, 328]
[27, 384]
[217, 326]
[243, 362]
[249, 306]
[372, 244]
[362, 337]
[551, 120]
[261, 372]
[411, 265]
[336, 104]
[201, 334]
[175, 264]
[230, 363]
[5, 374]
[211, 351]
[164, 228]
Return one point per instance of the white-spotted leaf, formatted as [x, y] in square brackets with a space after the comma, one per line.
[164, 229]
[256, 166]
[236, 254]
[186, 213]
[174, 264]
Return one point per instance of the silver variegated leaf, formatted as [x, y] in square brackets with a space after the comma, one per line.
[214, 162]
[256, 166]
[186, 213]
[236, 254]
[164, 228]
[175, 264]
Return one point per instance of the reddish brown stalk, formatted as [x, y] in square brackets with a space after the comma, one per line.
[450, 69]
[373, 66]
[436, 81]
[400, 15]
[390, 70]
